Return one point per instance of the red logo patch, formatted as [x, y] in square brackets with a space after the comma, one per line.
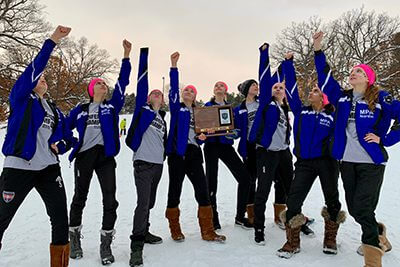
[8, 196]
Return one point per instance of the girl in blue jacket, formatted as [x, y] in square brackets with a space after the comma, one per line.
[97, 125]
[313, 128]
[363, 118]
[220, 148]
[36, 134]
[146, 137]
[270, 132]
[185, 158]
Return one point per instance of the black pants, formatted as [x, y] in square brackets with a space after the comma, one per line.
[251, 166]
[306, 171]
[123, 131]
[362, 184]
[147, 176]
[271, 165]
[212, 153]
[86, 162]
[15, 184]
[192, 166]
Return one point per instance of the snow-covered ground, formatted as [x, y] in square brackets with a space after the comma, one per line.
[26, 242]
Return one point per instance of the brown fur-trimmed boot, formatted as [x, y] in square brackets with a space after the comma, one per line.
[372, 256]
[293, 228]
[331, 229]
[383, 241]
[59, 255]
[250, 213]
[278, 209]
[205, 216]
[172, 214]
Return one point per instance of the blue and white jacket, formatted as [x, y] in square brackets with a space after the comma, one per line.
[268, 113]
[108, 116]
[377, 122]
[241, 116]
[180, 119]
[143, 114]
[312, 130]
[27, 113]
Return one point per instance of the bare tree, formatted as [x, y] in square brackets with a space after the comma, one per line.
[355, 37]
[70, 69]
[21, 22]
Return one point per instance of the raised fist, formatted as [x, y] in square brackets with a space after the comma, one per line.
[289, 55]
[127, 47]
[174, 58]
[317, 37]
[264, 46]
[59, 33]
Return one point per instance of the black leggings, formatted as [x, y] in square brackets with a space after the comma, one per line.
[271, 165]
[362, 185]
[251, 166]
[192, 166]
[212, 153]
[86, 162]
[306, 171]
[15, 184]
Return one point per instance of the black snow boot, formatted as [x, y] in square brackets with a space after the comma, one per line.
[106, 238]
[75, 242]
[136, 252]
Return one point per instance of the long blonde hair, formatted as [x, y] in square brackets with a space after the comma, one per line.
[371, 95]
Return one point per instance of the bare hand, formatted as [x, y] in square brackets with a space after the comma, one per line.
[202, 137]
[264, 46]
[127, 47]
[59, 33]
[289, 55]
[372, 138]
[317, 37]
[54, 147]
[174, 59]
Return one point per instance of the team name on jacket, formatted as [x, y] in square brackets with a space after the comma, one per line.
[108, 116]
[377, 121]
[180, 119]
[27, 113]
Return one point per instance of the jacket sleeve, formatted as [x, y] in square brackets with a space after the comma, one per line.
[326, 82]
[174, 102]
[393, 107]
[278, 75]
[142, 80]
[68, 138]
[292, 92]
[29, 78]
[264, 76]
[118, 97]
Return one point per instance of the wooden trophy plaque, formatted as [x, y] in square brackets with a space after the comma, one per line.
[213, 120]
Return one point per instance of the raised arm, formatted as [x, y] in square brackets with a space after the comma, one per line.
[326, 81]
[118, 97]
[174, 102]
[264, 75]
[30, 77]
[143, 81]
[292, 92]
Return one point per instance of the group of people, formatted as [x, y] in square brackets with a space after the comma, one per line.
[338, 131]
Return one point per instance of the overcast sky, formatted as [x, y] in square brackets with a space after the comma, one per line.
[218, 40]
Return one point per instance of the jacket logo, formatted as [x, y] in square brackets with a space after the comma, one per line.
[366, 114]
[59, 181]
[8, 196]
[325, 122]
[105, 111]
